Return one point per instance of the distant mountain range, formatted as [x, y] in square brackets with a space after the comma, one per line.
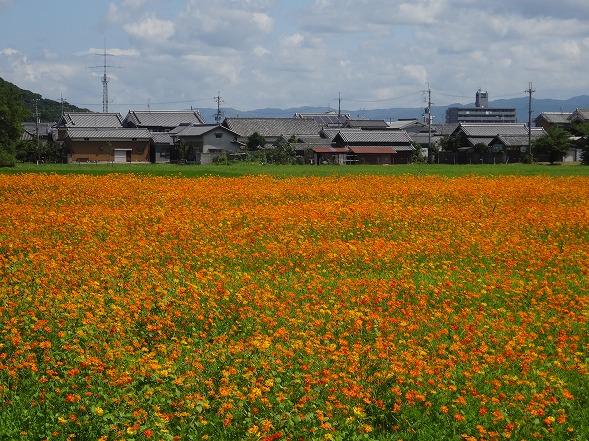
[396, 113]
[50, 110]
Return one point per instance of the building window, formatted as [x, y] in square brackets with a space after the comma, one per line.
[218, 135]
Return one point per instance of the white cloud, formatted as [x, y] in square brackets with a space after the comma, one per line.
[293, 41]
[416, 72]
[262, 53]
[151, 29]
[9, 52]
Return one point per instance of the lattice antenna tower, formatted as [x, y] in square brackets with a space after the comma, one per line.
[104, 80]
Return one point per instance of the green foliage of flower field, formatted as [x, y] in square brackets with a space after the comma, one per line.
[256, 307]
[245, 169]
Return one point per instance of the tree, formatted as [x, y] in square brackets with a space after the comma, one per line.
[418, 155]
[47, 151]
[450, 143]
[556, 143]
[283, 153]
[482, 148]
[12, 114]
[255, 142]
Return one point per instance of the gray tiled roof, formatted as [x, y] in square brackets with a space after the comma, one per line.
[162, 118]
[367, 124]
[579, 114]
[424, 138]
[492, 130]
[315, 140]
[326, 119]
[332, 133]
[88, 120]
[161, 138]
[272, 126]
[108, 133]
[518, 140]
[401, 125]
[375, 136]
[554, 117]
[201, 130]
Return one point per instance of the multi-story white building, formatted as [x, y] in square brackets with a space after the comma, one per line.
[481, 113]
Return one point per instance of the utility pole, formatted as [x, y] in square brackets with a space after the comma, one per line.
[219, 114]
[37, 129]
[530, 91]
[339, 109]
[429, 117]
[428, 113]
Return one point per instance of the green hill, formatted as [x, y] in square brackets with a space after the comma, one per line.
[49, 110]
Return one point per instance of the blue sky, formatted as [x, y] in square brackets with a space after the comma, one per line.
[176, 54]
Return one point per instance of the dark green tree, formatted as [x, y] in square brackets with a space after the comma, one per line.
[255, 142]
[481, 147]
[450, 143]
[12, 114]
[45, 151]
[556, 143]
[283, 153]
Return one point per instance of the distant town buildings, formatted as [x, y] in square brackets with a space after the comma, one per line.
[481, 113]
[479, 134]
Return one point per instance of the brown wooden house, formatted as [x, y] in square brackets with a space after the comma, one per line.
[108, 145]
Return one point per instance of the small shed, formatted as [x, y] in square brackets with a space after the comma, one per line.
[378, 147]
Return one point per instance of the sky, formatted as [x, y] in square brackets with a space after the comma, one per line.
[360, 54]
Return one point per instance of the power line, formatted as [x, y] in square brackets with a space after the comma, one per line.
[462, 96]
[382, 100]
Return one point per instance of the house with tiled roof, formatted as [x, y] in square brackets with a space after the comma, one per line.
[499, 141]
[203, 143]
[162, 147]
[119, 145]
[271, 128]
[382, 147]
[326, 119]
[161, 120]
[426, 135]
[516, 146]
[86, 120]
[548, 120]
[473, 134]
[33, 130]
[579, 116]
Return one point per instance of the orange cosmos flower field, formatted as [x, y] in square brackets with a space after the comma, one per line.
[258, 308]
